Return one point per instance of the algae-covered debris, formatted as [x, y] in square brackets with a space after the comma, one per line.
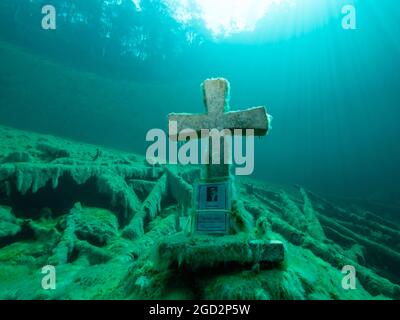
[150, 208]
[111, 229]
[9, 227]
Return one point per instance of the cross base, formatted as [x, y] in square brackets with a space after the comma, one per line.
[203, 252]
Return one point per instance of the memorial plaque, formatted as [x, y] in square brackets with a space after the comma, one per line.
[213, 196]
[212, 222]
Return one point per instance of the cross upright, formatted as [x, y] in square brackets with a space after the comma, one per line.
[216, 99]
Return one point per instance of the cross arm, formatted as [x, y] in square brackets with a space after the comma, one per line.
[253, 118]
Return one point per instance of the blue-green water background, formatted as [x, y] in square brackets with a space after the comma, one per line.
[334, 93]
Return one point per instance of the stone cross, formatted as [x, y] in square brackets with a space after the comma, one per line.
[216, 98]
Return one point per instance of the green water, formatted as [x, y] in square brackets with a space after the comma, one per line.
[110, 72]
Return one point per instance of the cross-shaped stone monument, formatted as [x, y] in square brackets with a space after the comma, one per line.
[213, 197]
[213, 194]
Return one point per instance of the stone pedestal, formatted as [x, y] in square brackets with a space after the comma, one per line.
[202, 252]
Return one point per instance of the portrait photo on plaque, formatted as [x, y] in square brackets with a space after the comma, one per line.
[213, 196]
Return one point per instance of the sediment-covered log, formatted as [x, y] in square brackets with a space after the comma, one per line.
[150, 208]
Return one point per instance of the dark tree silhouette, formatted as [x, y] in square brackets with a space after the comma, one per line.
[110, 36]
